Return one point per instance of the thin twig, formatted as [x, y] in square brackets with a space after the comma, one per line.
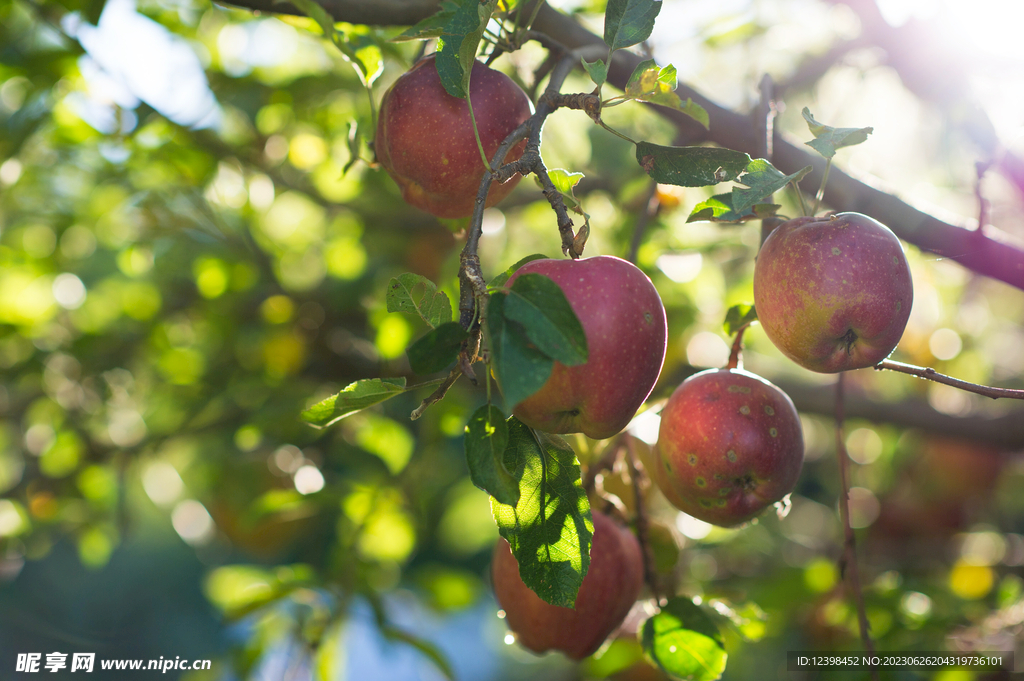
[438, 394]
[933, 375]
[554, 197]
[848, 563]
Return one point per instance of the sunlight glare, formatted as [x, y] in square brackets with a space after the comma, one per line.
[150, 63]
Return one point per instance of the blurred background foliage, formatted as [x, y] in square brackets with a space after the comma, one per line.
[184, 267]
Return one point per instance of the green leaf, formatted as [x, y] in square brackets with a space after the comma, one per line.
[684, 642]
[355, 42]
[693, 110]
[598, 71]
[667, 75]
[316, 12]
[415, 294]
[437, 349]
[748, 618]
[520, 368]
[672, 100]
[500, 280]
[485, 441]
[644, 79]
[431, 27]
[354, 145]
[762, 179]
[690, 166]
[354, 397]
[828, 139]
[628, 22]
[737, 317]
[564, 180]
[764, 211]
[537, 303]
[719, 209]
[654, 84]
[432, 652]
[550, 528]
[457, 45]
[360, 49]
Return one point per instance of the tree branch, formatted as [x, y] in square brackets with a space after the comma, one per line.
[933, 375]
[994, 254]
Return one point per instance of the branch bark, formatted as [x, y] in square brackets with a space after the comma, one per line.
[994, 253]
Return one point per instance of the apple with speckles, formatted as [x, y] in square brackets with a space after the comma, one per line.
[611, 586]
[425, 137]
[624, 321]
[729, 445]
[833, 293]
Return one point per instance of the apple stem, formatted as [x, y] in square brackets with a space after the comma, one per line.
[736, 354]
[617, 133]
[932, 375]
[821, 190]
[476, 132]
[848, 562]
[638, 477]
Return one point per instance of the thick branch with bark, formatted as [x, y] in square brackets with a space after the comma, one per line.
[993, 253]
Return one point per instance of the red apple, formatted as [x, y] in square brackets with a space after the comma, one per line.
[611, 586]
[730, 444]
[425, 137]
[624, 321]
[833, 293]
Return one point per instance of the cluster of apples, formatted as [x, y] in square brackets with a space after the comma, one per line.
[832, 293]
